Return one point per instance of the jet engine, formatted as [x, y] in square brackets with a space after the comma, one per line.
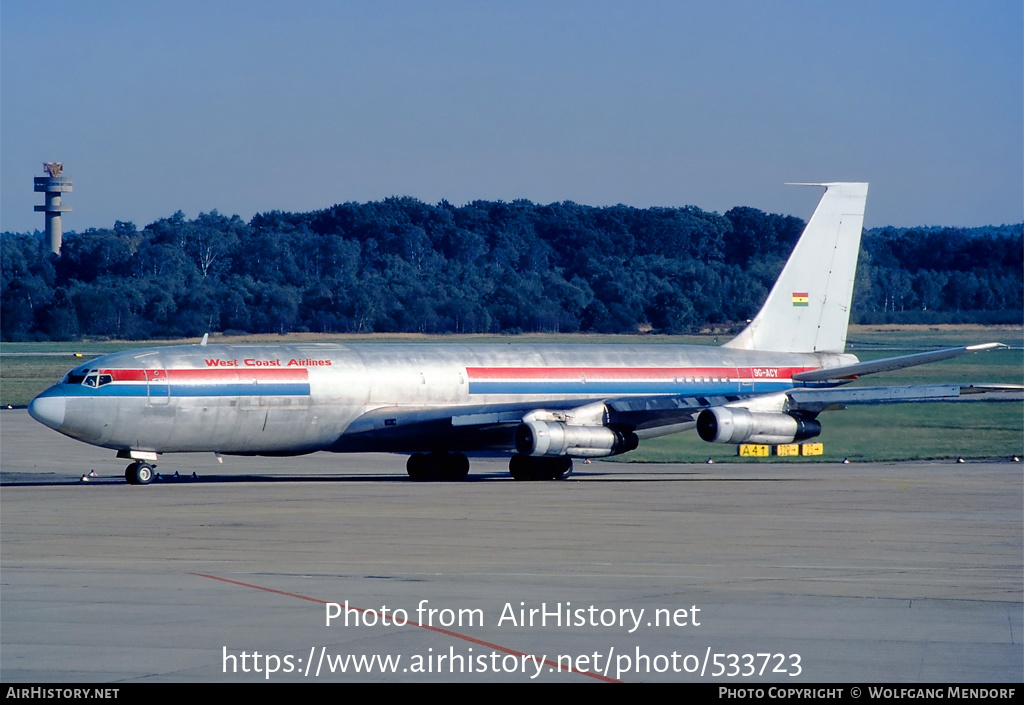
[737, 425]
[555, 438]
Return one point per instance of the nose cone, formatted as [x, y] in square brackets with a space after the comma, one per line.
[48, 410]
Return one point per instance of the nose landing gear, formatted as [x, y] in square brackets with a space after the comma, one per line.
[139, 473]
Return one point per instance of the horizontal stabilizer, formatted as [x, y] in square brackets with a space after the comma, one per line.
[818, 400]
[889, 363]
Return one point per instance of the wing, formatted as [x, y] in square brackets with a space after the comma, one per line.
[610, 426]
[814, 401]
[492, 427]
[404, 429]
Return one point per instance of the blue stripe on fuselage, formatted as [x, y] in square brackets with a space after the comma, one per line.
[267, 389]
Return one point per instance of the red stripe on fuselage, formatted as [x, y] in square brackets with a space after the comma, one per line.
[206, 376]
[271, 374]
[126, 375]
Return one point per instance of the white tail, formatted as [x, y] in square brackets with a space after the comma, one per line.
[808, 309]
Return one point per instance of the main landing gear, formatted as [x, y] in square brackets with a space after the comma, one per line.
[426, 467]
[139, 473]
[437, 466]
[526, 467]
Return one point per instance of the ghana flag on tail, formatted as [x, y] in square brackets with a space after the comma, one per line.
[799, 298]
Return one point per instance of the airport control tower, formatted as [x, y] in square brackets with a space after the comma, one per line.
[53, 186]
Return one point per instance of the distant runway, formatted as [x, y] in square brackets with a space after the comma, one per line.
[787, 573]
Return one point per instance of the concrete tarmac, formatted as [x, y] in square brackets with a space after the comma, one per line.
[799, 573]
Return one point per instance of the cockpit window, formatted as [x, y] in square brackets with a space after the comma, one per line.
[74, 377]
[94, 378]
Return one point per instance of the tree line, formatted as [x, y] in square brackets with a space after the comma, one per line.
[486, 267]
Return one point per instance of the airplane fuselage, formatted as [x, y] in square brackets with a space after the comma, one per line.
[292, 399]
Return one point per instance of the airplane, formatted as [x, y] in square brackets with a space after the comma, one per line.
[543, 405]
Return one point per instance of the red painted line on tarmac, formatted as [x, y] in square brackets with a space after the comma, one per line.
[440, 630]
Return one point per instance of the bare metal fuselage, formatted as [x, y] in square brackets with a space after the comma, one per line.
[292, 399]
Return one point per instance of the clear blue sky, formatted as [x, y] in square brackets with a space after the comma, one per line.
[254, 106]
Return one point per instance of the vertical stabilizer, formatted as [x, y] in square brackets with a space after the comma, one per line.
[808, 309]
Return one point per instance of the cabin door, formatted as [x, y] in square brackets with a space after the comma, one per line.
[746, 375]
[158, 386]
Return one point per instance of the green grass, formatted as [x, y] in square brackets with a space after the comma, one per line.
[28, 368]
[862, 338]
[900, 432]
[877, 433]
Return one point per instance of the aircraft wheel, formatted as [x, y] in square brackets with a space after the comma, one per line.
[519, 467]
[454, 466]
[139, 474]
[562, 469]
[418, 467]
[523, 467]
